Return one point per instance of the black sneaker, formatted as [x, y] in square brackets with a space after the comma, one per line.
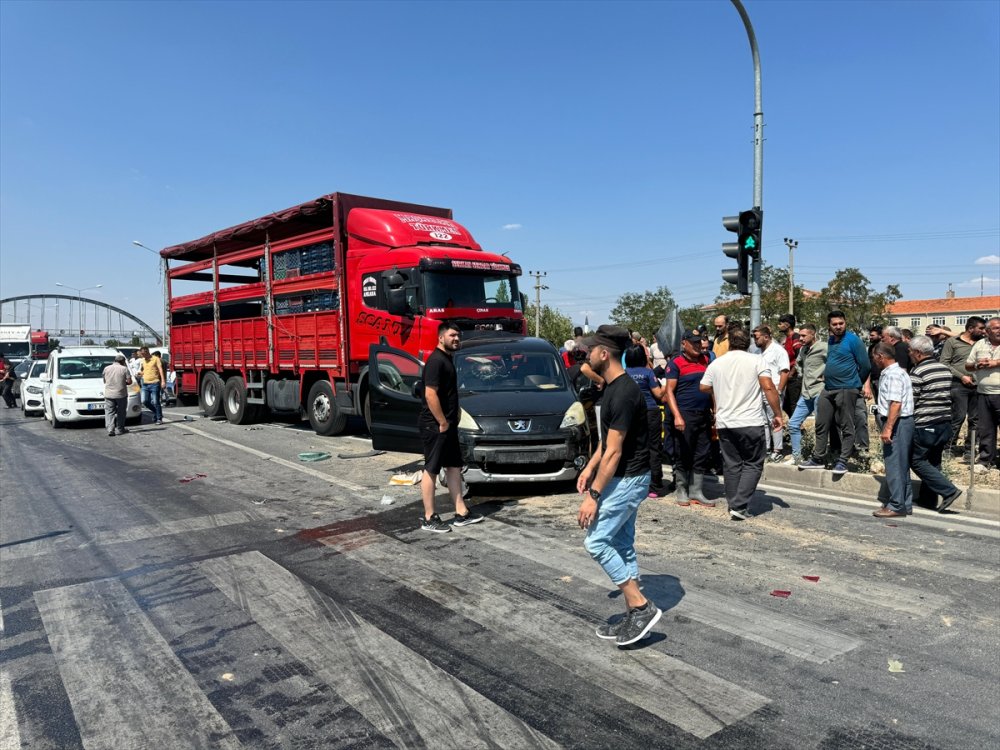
[467, 520]
[435, 524]
[812, 463]
[739, 515]
[638, 623]
[946, 502]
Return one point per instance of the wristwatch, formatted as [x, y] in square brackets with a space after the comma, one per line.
[595, 494]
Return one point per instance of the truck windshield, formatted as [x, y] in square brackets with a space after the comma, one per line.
[80, 368]
[450, 289]
[483, 370]
[14, 349]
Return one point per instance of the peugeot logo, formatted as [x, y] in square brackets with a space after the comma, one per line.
[519, 425]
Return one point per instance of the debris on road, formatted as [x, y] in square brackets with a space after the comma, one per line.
[191, 478]
[405, 480]
[310, 456]
[781, 594]
[814, 579]
[387, 500]
[896, 666]
[366, 454]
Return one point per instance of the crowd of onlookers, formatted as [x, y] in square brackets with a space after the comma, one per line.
[705, 412]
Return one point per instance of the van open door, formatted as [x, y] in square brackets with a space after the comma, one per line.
[392, 377]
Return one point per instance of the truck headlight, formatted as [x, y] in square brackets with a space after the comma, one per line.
[64, 390]
[466, 422]
[574, 417]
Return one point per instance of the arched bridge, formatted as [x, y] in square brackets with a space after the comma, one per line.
[68, 316]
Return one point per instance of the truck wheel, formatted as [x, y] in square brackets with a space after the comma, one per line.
[210, 395]
[234, 402]
[324, 416]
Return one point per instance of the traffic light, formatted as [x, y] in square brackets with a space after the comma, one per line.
[737, 276]
[747, 227]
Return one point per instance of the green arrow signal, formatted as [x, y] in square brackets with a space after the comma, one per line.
[749, 244]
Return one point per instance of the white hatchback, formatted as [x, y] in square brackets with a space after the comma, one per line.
[73, 385]
[32, 387]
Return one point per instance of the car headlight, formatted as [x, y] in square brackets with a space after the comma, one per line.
[466, 422]
[574, 417]
[64, 390]
[34, 389]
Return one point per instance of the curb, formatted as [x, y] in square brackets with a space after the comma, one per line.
[980, 500]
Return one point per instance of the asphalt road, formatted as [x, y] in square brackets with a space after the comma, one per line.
[196, 585]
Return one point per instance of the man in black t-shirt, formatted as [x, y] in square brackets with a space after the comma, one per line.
[615, 482]
[438, 422]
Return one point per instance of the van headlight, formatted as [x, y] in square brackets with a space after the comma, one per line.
[574, 417]
[466, 422]
[64, 390]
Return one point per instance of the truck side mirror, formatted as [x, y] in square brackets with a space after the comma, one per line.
[396, 296]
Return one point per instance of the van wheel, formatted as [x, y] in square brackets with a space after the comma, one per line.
[210, 395]
[56, 424]
[234, 402]
[324, 416]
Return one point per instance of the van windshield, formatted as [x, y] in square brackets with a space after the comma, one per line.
[80, 368]
[482, 370]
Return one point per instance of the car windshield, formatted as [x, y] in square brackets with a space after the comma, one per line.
[37, 368]
[79, 368]
[482, 370]
[23, 367]
[451, 289]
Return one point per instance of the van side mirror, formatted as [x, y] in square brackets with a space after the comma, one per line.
[44, 377]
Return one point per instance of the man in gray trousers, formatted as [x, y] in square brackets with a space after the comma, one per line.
[117, 379]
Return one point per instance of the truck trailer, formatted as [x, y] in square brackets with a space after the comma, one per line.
[279, 313]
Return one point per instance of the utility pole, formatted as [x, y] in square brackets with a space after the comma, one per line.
[792, 244]
[758, 159]
[539, 286]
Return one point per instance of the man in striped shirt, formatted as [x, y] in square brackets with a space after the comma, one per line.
[895, 407]
[931, 383]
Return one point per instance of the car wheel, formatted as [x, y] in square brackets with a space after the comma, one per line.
[324, 415]
[234, 402]
[56, 424]
[210, 395]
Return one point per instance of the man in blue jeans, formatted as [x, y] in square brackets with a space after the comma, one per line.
[895, 406]
[615, 482]
[153, 381]
[811, 363]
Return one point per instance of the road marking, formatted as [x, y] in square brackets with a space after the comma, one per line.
[127, 688]
[405, 697]
[10, 735]
[283, 462]
[145, 531]
[693, 700]
[785, 633]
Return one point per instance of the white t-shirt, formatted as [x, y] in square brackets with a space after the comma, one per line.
[736, 388]
[776, 359]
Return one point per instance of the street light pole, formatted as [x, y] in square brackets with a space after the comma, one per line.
[758, 158]
[791, 244]
[79, 299]
[164, 270]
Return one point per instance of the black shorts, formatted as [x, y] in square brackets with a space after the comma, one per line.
[441, 449]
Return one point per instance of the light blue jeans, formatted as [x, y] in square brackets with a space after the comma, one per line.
[803, 409]
[151, 400]
[897, 466]
[611, 537]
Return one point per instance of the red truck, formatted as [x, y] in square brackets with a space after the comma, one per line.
[290, 304]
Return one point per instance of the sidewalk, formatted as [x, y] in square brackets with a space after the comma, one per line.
[981, 500]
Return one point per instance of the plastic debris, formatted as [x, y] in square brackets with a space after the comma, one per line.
[366, 454]
[229, 677]
[781, 594]
[191, 478]
[407, 480]
[310, 456]
[386, 500]
[814, 579]
[565, 579]
[895, 665]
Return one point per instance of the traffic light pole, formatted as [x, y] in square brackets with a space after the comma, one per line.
[758, 159]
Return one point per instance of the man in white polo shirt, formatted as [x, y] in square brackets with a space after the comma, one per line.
[895, 407]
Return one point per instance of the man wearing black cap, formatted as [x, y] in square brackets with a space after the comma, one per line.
[691, 411]
[615, 482]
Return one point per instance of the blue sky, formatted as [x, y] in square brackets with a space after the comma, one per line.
[600, 142]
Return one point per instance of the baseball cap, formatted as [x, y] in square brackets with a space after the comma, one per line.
[613, 337]
[693, 336]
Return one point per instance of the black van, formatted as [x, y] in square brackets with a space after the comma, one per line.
[520, 420]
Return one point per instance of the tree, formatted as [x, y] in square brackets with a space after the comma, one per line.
[773, 298]
[553, 325]
[695, 317]
[503, 291]
[88, 342]
[136, 341]
[53, 343]
[643, 312]
[851, 292]
[113, 343]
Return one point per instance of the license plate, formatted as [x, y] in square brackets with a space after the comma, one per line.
[95, 407]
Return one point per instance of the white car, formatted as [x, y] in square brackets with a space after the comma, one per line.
[73, 385]
[32, 387]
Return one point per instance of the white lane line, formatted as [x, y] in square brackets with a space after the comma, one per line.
[283, 462]
[921, 516]
[693, 700]
[145, 531]
[127, 688]
[10, 735]
[407, 698]
[784, 633]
